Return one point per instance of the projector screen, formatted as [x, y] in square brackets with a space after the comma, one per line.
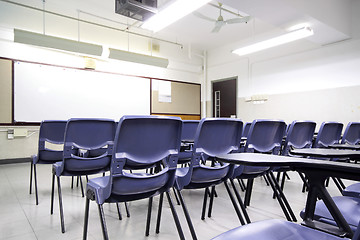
[43, 92]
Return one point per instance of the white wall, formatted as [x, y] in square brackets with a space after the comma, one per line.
[303, 80]
[181, 67]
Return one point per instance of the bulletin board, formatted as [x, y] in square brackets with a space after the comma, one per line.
[176, 99]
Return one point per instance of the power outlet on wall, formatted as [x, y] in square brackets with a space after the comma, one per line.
[10, 134]
[20, 132]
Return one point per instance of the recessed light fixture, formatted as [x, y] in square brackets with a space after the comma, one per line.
[276, 41]
[175, 11]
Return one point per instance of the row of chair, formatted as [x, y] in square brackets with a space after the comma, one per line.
[138, 143]
[300, 135]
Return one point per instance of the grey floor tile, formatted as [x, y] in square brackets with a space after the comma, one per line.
[22, 219]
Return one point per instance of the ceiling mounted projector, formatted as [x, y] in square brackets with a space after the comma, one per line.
[139, 10]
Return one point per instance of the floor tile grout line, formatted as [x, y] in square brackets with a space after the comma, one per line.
[17, 198]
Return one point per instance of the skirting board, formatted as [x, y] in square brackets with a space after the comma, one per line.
[14, 160]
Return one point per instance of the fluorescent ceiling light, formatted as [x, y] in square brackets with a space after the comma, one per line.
[172, 13]
[138, 58]
[288, 37]
[42, 40]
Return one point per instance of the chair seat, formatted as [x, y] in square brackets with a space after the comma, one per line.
[254, 170]
[131, 183]
[205, 174]
[48, 157]
[352, 191]
[274, 230]
[348, 206]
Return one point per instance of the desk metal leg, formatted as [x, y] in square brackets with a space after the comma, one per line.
[317, 189]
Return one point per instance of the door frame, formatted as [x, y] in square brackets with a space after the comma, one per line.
[212, 91]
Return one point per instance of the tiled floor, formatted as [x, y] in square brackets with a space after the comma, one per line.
[22, 219]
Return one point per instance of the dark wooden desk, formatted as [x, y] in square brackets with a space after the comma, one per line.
[345, 146]
[316, 171]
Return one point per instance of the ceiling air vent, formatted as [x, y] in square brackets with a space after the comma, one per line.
[137, 9]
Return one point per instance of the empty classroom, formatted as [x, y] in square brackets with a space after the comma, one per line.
[179, 119]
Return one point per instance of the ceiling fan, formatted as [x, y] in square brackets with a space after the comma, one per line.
[219, 21]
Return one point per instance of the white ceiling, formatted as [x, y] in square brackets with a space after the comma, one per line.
[330, 19]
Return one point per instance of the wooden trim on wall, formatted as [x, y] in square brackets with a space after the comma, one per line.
[182, 116]
[14, 123]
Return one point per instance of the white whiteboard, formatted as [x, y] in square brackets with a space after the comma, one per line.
[43, 92]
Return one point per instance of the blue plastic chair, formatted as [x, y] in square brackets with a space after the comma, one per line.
[244, 135]
[214, 136]
[276, 229]
[348, 206]
[300, 135]
[352, 190]
[189, 130]
[351, 134]
[51, 131]
[265, 136]
[187, 139]
[86, 134]
[140, 142]
[329, 133]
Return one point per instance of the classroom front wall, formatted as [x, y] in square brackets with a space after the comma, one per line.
[319, 84]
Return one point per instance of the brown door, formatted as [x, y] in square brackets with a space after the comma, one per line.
[224, 98]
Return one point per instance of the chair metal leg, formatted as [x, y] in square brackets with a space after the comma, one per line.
[327, 182]
[204, 204]
[282, 184]
[36, 189]
[282, 197]
[127, 210]
[77, 181]
[61, 206]
[212, 194]
[86, 218]
[250, 183]
[241, 203]
[72, 182]
[241, 184]
[103, 223]
[31, 173]
[283, 181]
[175, 216]
[278, 176]
[287, 176]
[338, 185]
[159, 213]
[118, 210]
[266, 181]
[237, 210]
[82, 188]
[87, 178]
[306, 184]
[215, 193]
[148, 217]
[176, 197]
[279, 199]
[187, 215]
[341, 183]
[52, 194]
